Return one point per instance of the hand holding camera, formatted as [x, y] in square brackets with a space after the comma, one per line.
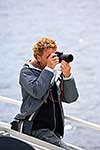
[52, 61]
[64, 59]
[65, 68]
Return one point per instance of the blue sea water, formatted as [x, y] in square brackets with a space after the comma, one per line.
[76, 27]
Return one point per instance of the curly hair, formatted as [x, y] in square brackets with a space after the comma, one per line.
[43, 44]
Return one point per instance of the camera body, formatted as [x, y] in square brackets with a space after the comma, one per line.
[66, 57]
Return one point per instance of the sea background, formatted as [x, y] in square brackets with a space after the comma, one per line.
[75, 25]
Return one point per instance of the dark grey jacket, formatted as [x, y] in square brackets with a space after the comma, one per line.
[35, 85]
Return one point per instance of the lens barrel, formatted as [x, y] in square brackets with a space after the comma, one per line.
[66, 57]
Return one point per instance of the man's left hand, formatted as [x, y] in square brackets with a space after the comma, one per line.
[65, 68]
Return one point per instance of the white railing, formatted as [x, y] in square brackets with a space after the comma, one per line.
[35, 143]
[10, 101]
[38, 144]
[82, 122]
[5, 129]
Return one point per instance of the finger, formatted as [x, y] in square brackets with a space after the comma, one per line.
[52, 55]
[64, 62]
[65, 67]
[55, 58]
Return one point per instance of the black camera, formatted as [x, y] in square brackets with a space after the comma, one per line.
[67, 57]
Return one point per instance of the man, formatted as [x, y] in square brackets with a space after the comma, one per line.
[43, 91]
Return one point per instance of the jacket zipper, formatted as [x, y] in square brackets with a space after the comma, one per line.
[54, 115]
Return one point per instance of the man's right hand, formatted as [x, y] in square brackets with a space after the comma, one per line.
[52, 61]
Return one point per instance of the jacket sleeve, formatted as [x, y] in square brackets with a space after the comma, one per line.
[36, 86]
[70, 91]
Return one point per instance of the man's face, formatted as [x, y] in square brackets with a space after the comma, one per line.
[43, 59]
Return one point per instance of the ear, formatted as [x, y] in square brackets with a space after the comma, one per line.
[38, 58]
